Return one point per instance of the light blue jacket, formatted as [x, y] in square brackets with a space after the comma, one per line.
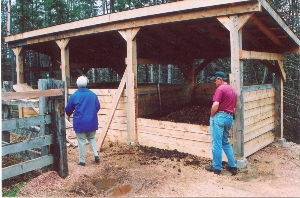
[85, 105]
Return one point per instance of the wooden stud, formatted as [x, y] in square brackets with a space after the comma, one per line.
[19, 64]
[237, 84]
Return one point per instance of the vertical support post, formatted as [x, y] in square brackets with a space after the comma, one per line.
[131, 83]
[191, 73]
[19, 64]
[64, 56]
[59, 147]
[237, 84]
[65, 62]
[43, 85]
[6, 110]
[279, 109]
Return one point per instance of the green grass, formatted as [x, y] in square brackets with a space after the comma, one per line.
[13, 192]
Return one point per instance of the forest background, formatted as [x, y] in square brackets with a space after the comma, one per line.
[27, 15]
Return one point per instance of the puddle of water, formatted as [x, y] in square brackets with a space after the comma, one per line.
[120, 190]
[104, 184]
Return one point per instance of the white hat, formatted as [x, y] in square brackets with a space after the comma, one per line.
[82, 81]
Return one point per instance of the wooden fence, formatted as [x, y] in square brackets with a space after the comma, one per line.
[45, 146]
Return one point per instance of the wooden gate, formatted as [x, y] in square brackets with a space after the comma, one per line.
[45, 143]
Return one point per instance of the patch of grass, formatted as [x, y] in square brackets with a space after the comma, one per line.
[13, 192]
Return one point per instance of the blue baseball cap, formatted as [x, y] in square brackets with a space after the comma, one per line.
[218, 74]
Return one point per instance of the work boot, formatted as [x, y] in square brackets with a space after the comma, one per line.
[81, 163]
[233, 170]
[97, 159]
[212, 169]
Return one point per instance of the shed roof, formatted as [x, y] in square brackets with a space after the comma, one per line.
[169, 33]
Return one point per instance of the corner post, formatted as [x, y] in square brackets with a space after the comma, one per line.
[59, 149]
[278, 84]
[237, 84]
[6, 110]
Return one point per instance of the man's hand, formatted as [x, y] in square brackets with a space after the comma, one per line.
[214, 108]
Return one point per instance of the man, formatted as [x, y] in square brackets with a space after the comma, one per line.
[85, 106]
[221, 117]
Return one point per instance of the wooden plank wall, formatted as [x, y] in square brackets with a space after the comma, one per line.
[259, 119]
[188, 138]
[117, 131]
[172, 96]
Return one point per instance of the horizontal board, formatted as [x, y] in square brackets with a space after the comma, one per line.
[117, 112]
[175, 141]
[198, 149]
[259, 117]
[15, 147]
[259, 103]
[22, 102]
[172, 125]
[259, 94]
[27, 166]
[257, 87]
[110, 99]
[258, 125]
[108, 105]
[256, 111]
[118, 136]
[258, 132]
[258, 143]
[201, 137]
[31, 94]
[100, 92]
[8, 125]
[115, 119]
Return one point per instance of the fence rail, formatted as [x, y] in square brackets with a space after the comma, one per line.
[46, 146]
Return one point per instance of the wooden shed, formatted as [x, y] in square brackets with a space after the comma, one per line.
[174, 33]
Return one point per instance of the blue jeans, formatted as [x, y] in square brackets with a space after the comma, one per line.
[220, 125]
[81, 138]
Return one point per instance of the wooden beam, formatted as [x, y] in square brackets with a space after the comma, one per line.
[116, 21]
[31, 94]
[265, 30]
[203, 65]
[111, 112]
[236, 80]
[19, 64]
[260, 55]
[279, 20]
[279, 64]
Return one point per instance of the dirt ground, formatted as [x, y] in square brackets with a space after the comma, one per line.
[148, 172]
